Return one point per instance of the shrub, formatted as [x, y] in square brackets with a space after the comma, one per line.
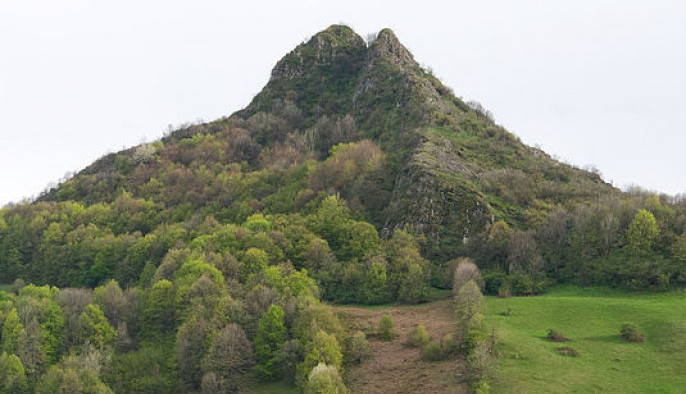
[505, 290]
[449, 346]
[432, 351]
[630, 333]
[358, 348]
[480, 362]
[556, 336]
[481, 387]
[419, 336]
[567, 351]
[386, 329]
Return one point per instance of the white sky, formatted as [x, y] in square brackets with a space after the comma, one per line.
[593, 82]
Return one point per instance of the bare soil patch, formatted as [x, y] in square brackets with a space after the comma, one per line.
[398, 368]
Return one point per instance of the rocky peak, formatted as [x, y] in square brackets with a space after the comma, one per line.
[387, 46]
[337, 42]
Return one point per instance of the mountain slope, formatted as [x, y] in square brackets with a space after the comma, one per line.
[449, 170]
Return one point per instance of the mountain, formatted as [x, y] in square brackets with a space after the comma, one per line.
[354, 176]
[449, 170]
[365, 122]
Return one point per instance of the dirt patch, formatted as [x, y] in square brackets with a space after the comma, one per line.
[398, 368]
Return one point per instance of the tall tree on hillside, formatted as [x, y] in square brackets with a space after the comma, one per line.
[642, 233]
[271, 335]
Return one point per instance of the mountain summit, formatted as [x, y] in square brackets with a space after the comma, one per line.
[361, 120]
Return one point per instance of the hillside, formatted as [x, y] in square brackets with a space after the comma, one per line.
[448, 171]
[354, 176]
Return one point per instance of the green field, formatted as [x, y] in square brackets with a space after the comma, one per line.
[591, 318]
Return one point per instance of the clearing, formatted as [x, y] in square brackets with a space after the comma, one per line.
[397, 368]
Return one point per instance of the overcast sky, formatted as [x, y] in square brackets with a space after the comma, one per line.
[593, 82]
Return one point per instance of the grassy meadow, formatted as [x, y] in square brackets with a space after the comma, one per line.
[591, 319]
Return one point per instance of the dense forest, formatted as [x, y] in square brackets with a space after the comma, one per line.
[198, 262]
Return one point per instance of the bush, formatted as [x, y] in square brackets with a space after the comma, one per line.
[386, 329]
[418, 337]
[481, 387]
[358, 348]
[556, 336]
[567, 351]
[480, 362]
[432, 351]
[449, 346]
[505, 290]
[493, 281]
[630, 333]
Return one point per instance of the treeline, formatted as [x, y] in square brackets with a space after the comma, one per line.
[66, 244]
[634, 240]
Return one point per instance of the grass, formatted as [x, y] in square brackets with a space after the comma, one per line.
[435, 294]
[6, 287]
[591, 319]
[273, 387]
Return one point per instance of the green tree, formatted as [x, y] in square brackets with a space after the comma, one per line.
[159, 315]
[469, 302]
[374, 288]
[95, 329]
[323, 348]
[254, 261]
[325, 379]
[679, 248]
[271, 335]
[12, 375]
[642, 233]
[414, 287]
[11, 332]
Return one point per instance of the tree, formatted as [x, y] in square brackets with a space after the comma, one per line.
[323, 348]
[414, 288]
[679, 247]
[95, 329]
[374, 290]
[12, 375]
[110, 298]
[271, 335]
[468, 303]
[254, 261]
[465, 271]
[230, 358]
[523, 256]
[642, 233]
[159, 317]
[190, 349]
[325, 379]
[11, 332]
[73, 302]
